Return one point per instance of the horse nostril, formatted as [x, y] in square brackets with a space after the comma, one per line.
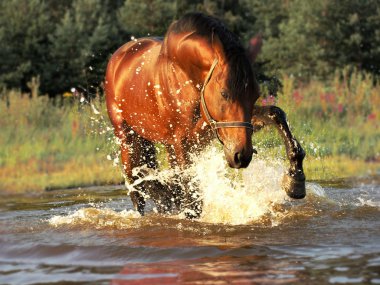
[237, 158]
[241, 160]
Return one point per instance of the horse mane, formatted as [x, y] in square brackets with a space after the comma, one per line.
[240, 75]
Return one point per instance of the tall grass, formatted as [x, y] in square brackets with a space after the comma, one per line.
[339, 117]
[48, 143]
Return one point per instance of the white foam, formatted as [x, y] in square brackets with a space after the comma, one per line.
[368, 202]
[97, 218]
[315, 189]
[229, 196]
[234, 196]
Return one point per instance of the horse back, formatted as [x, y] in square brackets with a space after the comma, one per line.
[125, 57]
[130, 87]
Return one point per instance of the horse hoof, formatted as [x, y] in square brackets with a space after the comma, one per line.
[294, 186]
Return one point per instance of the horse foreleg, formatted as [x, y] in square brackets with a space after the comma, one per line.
[129, 159]
[294, 181]
[186, 196]
[145, 154]
[136, 152]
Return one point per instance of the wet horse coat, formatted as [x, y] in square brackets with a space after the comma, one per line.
[175, 91]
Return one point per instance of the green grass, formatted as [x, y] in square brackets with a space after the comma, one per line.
[339, 117]
[51, 144]
[63, 143]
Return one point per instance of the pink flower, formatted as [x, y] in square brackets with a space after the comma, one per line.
[297, 97]
[269, 100]
[371, 117]
[328, 97]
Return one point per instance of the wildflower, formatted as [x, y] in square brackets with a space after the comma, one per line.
[371, 117]
[297, 97]
[340, 108]
[269, 100]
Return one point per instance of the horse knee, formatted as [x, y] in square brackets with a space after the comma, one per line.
[276, 114]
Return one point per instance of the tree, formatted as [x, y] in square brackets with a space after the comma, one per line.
[24, 28]
[317, 37]
[349, 33]
[153, 17]
[146, 17]
[295, 49]
[79, 46]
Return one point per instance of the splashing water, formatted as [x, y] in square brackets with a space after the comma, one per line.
[97, 218]
[231, 197]
[239, 198]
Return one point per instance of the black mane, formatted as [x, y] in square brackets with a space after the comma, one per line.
[240, 76]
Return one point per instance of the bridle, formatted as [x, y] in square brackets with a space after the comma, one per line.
[215, 125]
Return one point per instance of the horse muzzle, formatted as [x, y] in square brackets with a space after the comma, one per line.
[238, 158]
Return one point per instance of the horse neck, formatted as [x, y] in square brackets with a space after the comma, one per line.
[193, 53]
[169, 72]
[181, 65]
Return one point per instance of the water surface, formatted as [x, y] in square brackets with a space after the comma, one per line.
[92, 236]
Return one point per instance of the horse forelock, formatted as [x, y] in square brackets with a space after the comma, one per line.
[240, 77]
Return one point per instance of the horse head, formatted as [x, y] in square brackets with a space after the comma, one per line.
[216, 59]
[227, 104]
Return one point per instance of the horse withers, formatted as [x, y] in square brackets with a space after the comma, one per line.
[182, 91]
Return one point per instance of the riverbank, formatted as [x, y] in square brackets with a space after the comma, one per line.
[69, 142]
[38, 176]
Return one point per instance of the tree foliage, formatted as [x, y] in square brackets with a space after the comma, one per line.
[67, 43]
[82, 35]
[24, 27]
[351, 34]
[146, 17]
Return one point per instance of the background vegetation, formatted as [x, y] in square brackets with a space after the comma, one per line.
[67, 43]
[326, 54]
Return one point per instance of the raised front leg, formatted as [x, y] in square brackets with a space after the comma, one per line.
[294, 180]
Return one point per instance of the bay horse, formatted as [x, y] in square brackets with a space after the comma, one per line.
[195, 84]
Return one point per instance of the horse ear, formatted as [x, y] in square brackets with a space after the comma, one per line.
[254, 47]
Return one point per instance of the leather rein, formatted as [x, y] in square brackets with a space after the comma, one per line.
[215, 125]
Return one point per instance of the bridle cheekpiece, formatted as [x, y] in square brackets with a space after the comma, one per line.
[215, 125]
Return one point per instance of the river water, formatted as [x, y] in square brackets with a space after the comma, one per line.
[249, 233]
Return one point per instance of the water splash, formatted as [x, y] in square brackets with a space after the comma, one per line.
[367, 202]
[97, 218]
[238, 197]
[230, 196]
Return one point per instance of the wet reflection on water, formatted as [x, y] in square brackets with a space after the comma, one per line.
[91, 235]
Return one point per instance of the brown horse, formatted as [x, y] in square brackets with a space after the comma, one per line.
[182, 91]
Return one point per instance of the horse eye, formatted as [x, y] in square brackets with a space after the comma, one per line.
[224, 94]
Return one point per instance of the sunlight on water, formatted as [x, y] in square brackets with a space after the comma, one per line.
[229, 196]
[98, 218]
[233, 197]
[240, 196]
[240, 199]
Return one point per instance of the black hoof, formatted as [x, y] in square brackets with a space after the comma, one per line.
[294, 186]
